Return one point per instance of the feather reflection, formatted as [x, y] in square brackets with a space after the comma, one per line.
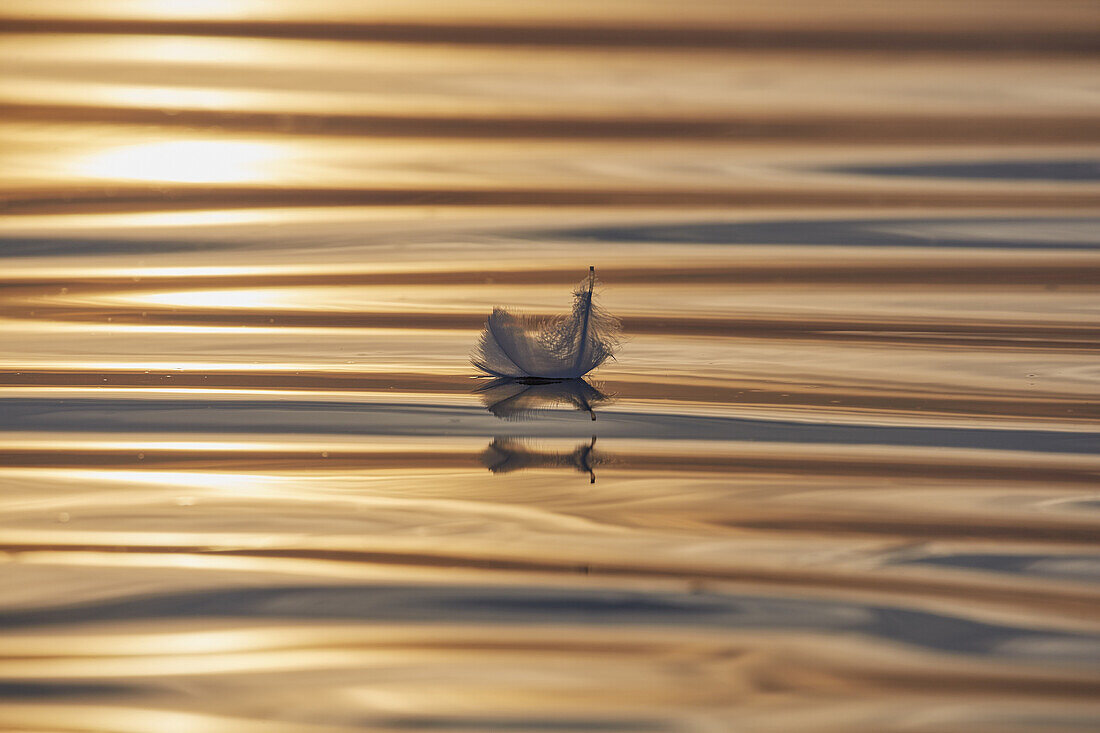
[515, 398]
[505, 455]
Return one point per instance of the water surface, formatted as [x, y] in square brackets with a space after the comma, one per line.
[842, 476]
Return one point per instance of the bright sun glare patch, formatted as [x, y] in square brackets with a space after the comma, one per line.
[198, 9]
[250, 298]
[186, 161]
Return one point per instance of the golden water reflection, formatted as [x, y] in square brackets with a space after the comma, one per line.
[847, 459]
[191, 161]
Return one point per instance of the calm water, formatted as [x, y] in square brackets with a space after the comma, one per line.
[844, 475]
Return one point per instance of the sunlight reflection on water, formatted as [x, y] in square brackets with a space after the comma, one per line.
[842, 475]
[189, 161]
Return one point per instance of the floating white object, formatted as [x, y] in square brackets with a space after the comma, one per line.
[566, 347]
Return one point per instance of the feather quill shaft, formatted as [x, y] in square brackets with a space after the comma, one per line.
[565, 347]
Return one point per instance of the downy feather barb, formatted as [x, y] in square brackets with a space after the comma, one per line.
[565, 347]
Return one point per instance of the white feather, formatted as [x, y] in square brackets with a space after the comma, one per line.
[566, 347]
